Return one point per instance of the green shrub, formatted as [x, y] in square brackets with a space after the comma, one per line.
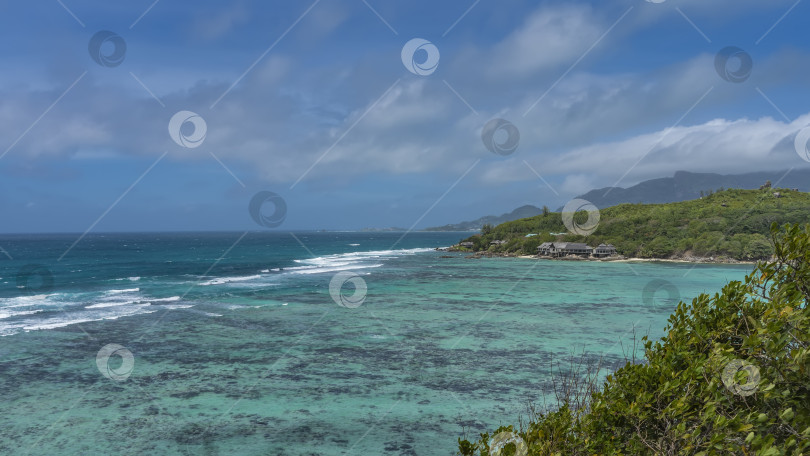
[530, 245]
[730, 377]
[660, 247]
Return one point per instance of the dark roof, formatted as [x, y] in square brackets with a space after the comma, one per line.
[577, 246]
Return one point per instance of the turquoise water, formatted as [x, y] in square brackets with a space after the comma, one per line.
[254, 356]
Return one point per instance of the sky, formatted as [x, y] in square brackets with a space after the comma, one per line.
[163, 115]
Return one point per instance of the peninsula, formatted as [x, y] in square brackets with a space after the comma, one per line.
[724, 226]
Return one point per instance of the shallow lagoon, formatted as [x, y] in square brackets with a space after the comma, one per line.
[273, 365]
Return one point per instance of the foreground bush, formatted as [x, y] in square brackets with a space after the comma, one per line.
[730, 377]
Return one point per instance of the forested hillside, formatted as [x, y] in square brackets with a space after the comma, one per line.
[731, 223]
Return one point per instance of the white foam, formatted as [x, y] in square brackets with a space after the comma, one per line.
[177, 306]
[316, 270]
[24, 301]
[224, 280]
[63, 323]
[171, 299]
[105, 304]
[6, 313]
[125, 290]
[350, 260]
[116, 303]
[67, 319]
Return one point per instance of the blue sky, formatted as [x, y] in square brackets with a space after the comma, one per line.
[312, 101]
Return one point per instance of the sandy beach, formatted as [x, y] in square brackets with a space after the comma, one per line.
[620, 259]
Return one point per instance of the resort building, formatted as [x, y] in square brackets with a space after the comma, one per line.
[561, 249]
[545, 248]
[603, 251]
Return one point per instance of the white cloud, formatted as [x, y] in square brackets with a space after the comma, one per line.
[577, 184]
[720, 146]
[550, 37]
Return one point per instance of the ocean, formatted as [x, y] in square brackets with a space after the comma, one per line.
[309, 343]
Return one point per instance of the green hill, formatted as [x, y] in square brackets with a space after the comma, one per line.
[730, 223]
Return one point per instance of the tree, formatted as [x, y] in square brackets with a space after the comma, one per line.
[660, 247]
[545, 211]
[758, 248]
[529, 247]
[486, 229]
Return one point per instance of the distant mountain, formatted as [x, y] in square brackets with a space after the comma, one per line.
[475, 225]
[685, 186]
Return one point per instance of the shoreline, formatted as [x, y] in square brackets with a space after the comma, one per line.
[617, 259]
